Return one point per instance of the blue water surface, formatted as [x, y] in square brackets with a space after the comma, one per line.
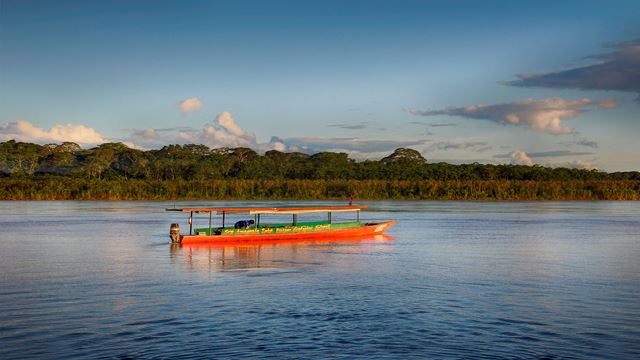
[556, 280]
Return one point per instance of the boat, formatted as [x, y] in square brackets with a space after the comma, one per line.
[262, 231]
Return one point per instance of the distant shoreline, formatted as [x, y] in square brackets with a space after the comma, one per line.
[235, 189]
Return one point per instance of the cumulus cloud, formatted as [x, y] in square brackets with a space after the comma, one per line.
[23, 130]
[225, 120]
[543, 115]
[275, 144]
[222, 132]
[546, 154]
[519, 157]
[190, 105]
[581, 164]
[618, 70]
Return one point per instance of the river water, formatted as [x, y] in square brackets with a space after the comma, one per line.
[453, 280]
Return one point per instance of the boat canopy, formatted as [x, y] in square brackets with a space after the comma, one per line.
[271, 210]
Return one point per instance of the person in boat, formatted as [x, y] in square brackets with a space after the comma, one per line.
[243, 224]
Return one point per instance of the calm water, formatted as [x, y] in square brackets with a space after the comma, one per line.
[457, 280]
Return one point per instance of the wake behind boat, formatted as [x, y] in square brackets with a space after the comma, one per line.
[256, 229]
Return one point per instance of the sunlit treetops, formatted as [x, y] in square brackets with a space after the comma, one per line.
[113, 161]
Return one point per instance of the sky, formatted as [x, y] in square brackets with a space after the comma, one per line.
[522, 82]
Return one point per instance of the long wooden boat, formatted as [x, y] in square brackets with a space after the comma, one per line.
[261, 231]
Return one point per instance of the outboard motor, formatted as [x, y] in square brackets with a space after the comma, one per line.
[174, 233]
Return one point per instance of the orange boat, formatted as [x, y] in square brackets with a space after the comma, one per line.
[256, 230]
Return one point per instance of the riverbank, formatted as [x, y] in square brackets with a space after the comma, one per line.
[86, 189]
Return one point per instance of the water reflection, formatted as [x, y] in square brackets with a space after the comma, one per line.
[238, 256]
[461, 280]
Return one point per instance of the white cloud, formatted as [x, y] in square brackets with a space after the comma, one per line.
[225, 120]
[275, 143]
[23, 130]
[581, 164]
[519, 157]
[543, 115]
[279, 146]
[190, 105]
[222, 132]
[214, 136]
[225, 132]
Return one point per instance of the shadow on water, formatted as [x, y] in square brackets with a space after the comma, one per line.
[273, 255]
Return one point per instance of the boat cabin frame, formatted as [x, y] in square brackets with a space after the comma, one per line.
[294, 211]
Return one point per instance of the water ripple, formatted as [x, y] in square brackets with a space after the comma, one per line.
[461, 280]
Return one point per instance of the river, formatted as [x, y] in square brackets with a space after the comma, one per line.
[453, 280]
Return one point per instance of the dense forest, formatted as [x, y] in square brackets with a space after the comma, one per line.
[115, 171]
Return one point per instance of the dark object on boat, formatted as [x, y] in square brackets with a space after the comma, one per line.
[243, 224]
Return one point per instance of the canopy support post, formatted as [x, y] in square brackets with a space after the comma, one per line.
[223, 219]
[295, 219]
[258, 222]
[358, 216]
[329, 217]
[209, 223]
[190, 222]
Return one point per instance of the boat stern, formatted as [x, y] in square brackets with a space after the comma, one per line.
[174, 233]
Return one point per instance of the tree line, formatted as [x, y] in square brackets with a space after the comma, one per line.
[115, 171]
[116, 161]
[338, 189]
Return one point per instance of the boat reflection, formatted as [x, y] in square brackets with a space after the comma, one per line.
[238, 256]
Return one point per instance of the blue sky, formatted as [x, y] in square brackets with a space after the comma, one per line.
[359, 76]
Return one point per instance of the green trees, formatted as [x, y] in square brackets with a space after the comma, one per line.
[404, 164]
[18, 158]
[404, 155]
[116, 161]
[329, 165]
[71, 188]
[58, 163]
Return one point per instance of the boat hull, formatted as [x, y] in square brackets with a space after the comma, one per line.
[367, 229]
